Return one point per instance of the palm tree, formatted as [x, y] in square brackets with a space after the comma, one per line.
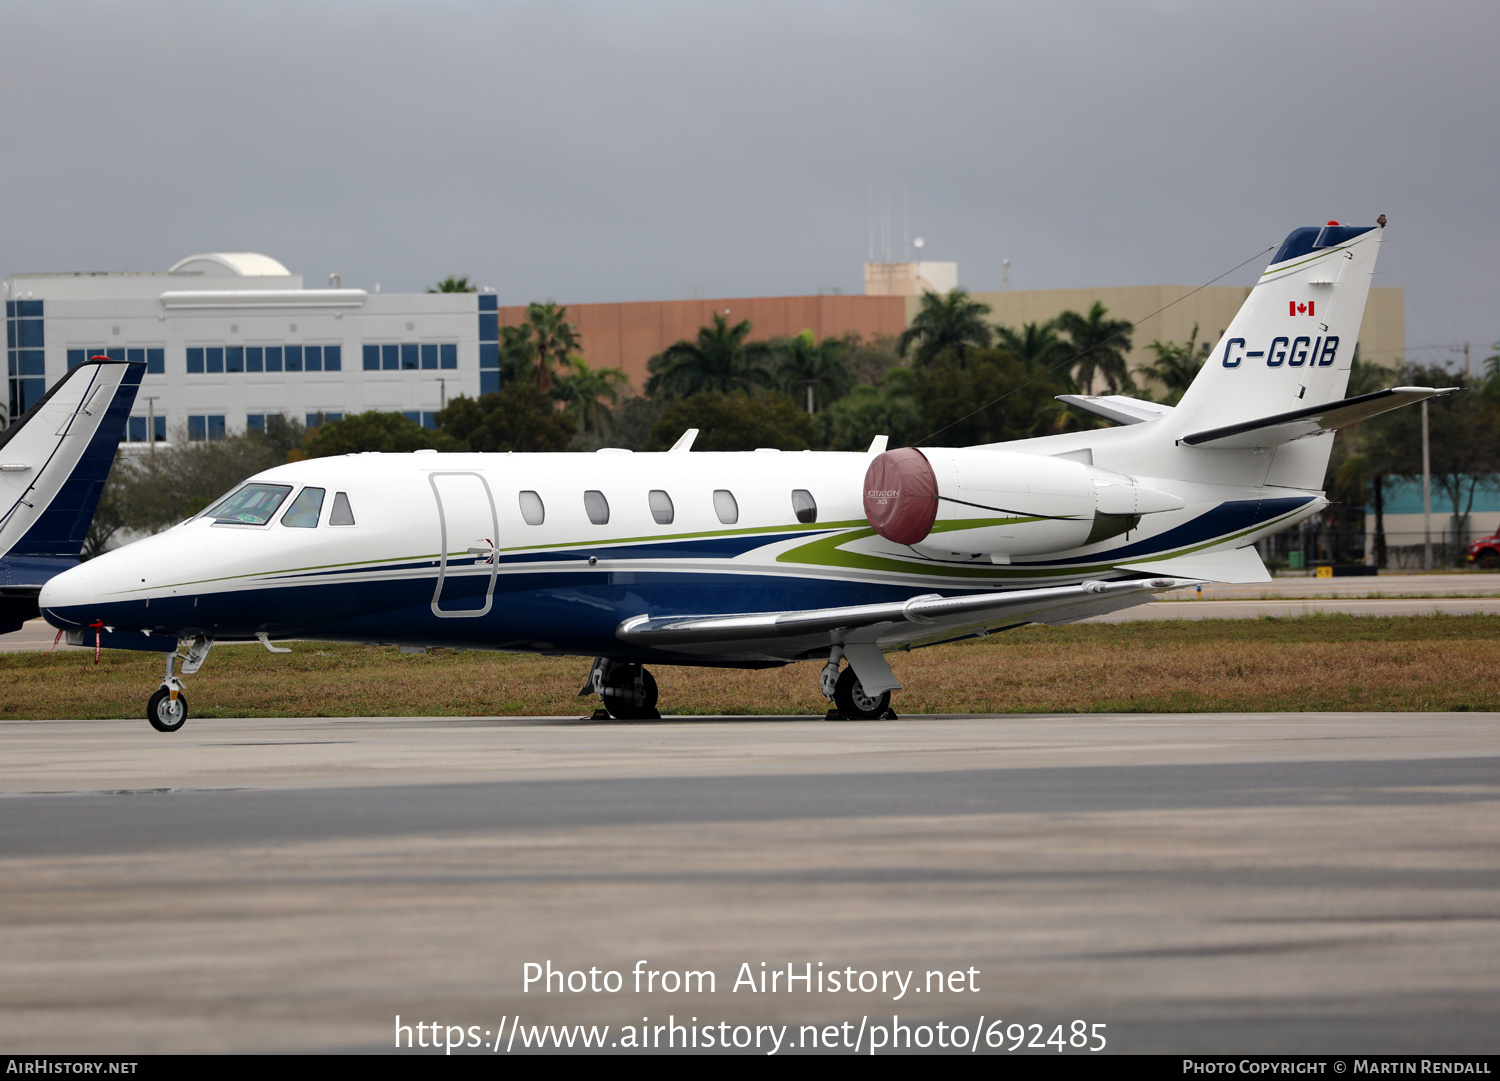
[1177, 364]
[818, 370]
[583, 390]
[720, 360]
[951, 323]
[1101, 345]
[450, 284]
[555, 339]
[517, 354]
[1035, 345]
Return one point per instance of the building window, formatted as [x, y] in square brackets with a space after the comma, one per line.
[203, 427]
[135, 431]
[238, 359]
[489, 382]
[314, 420]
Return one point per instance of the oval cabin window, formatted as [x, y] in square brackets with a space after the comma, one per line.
[532, 510]
[597, 507]
[804, 506]
[661, 506]
[725, 507]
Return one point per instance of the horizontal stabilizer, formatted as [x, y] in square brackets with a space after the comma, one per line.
[1120, 408]
[1234, 565]
[1312, 420]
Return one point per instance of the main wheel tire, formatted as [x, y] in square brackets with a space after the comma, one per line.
[630, 693]
[1489, 560]
[164, 714]
[854, 703]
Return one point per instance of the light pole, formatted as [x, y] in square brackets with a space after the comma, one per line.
[1426, 495]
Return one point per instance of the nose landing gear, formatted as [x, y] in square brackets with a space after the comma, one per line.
[167, 709]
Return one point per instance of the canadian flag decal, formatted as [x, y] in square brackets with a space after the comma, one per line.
[1300, 309]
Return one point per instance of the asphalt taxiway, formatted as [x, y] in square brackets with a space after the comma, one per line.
[1198, 883]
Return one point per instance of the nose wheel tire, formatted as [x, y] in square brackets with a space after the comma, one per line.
[164, 714]
[854, 703]
[629, 693]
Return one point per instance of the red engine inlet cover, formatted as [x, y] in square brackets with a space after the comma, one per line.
[901, 495]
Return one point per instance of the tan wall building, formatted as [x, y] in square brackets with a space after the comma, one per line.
[628, 335]
[1382, 334]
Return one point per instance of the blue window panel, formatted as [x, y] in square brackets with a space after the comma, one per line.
[29, 333]
[10, 309]
[12, 356]
[273, 358]
[390, 358]
[429, 420]
[216, 426]
[29, 309]
[312, 358]
[114, 354]
[315, 419]
[489, 327]
[195, 361]
[372, 358]
[333, 358]
[429, 356]
[255, 359]
[135, 356]
[449, 352]
[161, 429]
[255, 422]
[25, 393]
[33, 362]
[488, 302]
[75, 358]
[234, 358]
[489, 355]
[213, 359]
[489, 382]
[409, 361]
[331, 417]
[415, 417]
[135, 431]
[156, 362]
[294, 358]
[197, 429]
[10, 334]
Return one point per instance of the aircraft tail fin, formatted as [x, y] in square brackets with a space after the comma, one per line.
[1292, 343]
[55, 459]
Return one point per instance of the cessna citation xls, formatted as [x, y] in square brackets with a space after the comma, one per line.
[757, 559]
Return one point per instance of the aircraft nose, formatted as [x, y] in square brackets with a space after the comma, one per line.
[67, 590]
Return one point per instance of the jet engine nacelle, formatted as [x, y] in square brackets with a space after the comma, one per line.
[974, 500]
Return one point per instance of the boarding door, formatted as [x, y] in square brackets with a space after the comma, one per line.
[469, 530]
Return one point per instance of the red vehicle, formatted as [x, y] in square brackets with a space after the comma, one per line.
[1486, 552]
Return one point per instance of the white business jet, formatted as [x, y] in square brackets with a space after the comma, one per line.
[758, 559]
[54, 461]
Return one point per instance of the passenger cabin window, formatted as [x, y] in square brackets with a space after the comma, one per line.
[531, 508]
[661, 506]
[342, 513]
[254, 504]
[304, 511]
[725, 506]
[804, 506]
[597, 507]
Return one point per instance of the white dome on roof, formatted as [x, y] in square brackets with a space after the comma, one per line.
[239, 264]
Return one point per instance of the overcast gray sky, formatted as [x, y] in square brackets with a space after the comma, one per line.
[635, 151]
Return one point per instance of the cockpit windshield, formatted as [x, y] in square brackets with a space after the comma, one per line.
[254, 504]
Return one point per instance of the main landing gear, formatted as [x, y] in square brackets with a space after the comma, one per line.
[628, 691]
[849, 698]
[168, 710]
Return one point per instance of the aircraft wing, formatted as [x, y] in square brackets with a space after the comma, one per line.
[867, 630]
[1312, 420]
